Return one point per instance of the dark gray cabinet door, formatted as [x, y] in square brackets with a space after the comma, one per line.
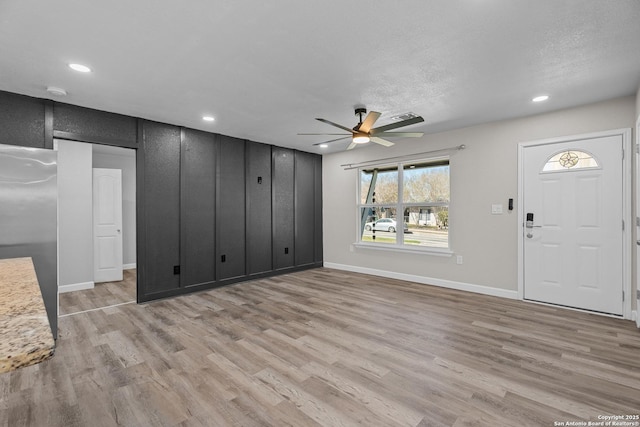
[230, 208]
[197, 208]
[259, 257]
[161, 204]
[282, 207]
[304, 208]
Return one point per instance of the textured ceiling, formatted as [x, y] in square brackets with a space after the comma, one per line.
[265, 70]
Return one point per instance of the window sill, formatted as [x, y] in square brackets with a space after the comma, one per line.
[406, 249]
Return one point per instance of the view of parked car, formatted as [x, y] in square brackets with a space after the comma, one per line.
[384, 224]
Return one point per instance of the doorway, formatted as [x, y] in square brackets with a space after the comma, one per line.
[574, 202]
[80, 288]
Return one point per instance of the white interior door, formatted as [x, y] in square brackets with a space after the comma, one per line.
[573, 253]
[107, 225]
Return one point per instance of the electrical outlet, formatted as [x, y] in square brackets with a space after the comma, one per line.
[496, 209]
[459, 259]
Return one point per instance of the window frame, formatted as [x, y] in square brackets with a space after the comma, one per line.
[400, 207]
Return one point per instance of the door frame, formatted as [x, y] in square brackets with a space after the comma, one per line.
[629, 224]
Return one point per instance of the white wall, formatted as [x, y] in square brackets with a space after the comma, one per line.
[483, 174]
[75, 220]
[125, 160]
[636, 269]
[638, 103]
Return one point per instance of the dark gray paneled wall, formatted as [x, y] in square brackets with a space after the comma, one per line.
[197, 208]
[283, 210]
[22, 120]
[199, 195]
[161, 204]
[258, 181]
[317, 209]
[304, 208]
[231, 208]
[94, 125]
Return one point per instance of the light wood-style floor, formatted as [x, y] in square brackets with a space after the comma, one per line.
[326, 347]
[102, 295]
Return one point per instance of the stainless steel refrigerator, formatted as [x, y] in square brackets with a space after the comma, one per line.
[29, 216]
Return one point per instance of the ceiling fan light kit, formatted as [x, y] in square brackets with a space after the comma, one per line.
[363, 133]
[360, 138]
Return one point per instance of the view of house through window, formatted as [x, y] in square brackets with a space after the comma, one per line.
[419, 191]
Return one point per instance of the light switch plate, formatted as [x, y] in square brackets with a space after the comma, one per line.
[496, 209]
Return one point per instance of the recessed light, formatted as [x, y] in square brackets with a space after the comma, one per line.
[79, 67]
[540, 98]
[208, 118]
[323, 145]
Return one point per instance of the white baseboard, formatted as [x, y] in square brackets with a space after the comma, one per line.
[635, 317]
[469, 287]
[75, 287]
[129, 266]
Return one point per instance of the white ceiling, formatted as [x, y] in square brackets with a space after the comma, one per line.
[266, 69]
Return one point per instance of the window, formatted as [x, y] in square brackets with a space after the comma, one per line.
[405, 205]
[570, 160]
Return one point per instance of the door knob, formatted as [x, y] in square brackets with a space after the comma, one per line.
[530, 230]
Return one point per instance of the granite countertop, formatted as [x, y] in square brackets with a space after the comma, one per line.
[25, 333]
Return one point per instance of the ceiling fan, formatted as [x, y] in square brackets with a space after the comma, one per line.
[362, 133]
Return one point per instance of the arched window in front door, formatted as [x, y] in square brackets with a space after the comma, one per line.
[570, 160]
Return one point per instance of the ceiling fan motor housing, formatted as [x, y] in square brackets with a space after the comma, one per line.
[359, 112]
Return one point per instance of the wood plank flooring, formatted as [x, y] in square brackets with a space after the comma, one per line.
[102, 295]
[330, 348]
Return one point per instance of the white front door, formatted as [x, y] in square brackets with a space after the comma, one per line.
[573, 203]
[107, 225]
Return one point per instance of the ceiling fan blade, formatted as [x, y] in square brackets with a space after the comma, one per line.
[333, 140]
[381, 141]
[334, 124]
[401, 134]
[368, 122]
[352, 146]
[407, 122]
[324, 134]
